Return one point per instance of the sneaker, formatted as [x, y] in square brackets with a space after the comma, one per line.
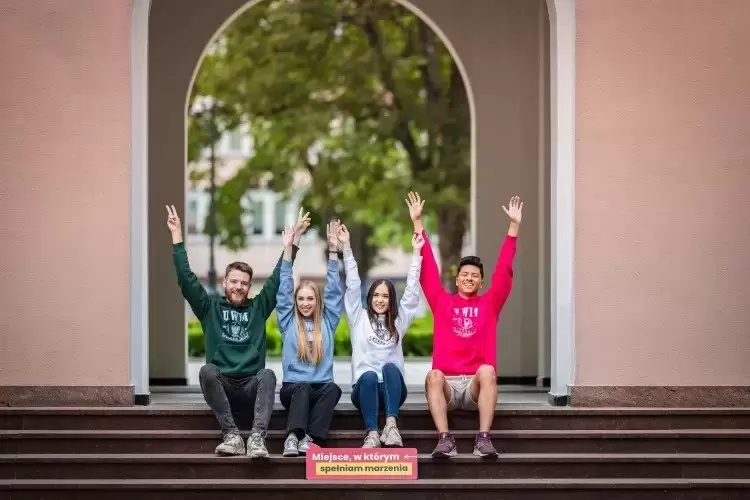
[446, 446]
[304, 444]
[372, 440]
[256, 445]
[232, 445]
[483, 446]
[391, 436]
[290, 446]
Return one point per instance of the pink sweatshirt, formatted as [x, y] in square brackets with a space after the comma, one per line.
[465, 330]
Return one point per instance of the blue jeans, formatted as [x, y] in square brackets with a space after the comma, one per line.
[368, 393]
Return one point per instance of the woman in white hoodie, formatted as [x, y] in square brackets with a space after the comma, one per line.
[377, 331]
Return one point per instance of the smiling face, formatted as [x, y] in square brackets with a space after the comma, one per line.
[236, 287]
[469, 280]
[307, 301]
[381, 299]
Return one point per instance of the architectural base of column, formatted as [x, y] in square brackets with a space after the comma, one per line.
[61, 395]
[660, 396]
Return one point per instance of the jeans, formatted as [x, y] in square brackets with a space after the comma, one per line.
[226, 395]
[368, 393]
[310, 407]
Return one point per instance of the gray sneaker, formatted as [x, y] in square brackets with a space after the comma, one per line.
[232, 445]
[256, 446]
[446, 446]
[391, 436]
[304, 444]
[483, 446]
[372, 440]
[290, 445]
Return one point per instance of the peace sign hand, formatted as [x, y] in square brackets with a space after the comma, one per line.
[173, 220]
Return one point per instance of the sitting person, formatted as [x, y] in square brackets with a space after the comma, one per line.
[308, 323]
[234, 376]
[377, 332]
[463, 374]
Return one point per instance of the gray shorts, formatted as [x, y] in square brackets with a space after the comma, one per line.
[461, 399]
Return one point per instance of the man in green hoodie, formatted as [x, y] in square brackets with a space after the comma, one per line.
[234, 327]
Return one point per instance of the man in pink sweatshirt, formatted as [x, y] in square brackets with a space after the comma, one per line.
[463, 374]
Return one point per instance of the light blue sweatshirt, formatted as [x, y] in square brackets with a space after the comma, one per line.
[296, 370]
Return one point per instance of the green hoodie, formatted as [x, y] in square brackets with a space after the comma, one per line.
[235, 336]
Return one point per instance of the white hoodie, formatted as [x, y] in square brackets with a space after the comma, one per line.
[372, 344]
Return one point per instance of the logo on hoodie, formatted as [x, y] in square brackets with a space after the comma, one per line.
[465, 321]
[234, 325]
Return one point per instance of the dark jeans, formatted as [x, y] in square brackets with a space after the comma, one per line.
[368, 393]
[310, 407]
[226, 395]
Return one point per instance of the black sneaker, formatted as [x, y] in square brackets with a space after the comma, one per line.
[446, 446]
[483, 446]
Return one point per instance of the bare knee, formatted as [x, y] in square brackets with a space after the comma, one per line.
[435, 378]
[486, 375]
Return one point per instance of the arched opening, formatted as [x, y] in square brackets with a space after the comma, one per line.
[174, 47]
[390, 113]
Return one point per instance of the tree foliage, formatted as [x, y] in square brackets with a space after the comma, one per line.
[361, 97]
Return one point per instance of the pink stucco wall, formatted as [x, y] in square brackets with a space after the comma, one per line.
[663, 192]
[64, 192]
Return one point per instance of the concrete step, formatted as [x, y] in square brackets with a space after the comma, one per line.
[422, 489]
[466, 466]
[507, 441]
[416, 417]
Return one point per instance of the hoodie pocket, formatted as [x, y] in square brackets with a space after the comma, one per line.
[236, 357]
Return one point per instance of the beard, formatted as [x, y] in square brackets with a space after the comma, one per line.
[235, 298]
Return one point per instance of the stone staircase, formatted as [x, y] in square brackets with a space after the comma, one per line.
[546, 453]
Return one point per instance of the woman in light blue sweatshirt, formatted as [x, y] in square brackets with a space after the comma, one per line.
[377, 332]
[307, 323]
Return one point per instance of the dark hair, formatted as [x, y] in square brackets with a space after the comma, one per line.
[239, 266]
[471, 260]
[391, 313]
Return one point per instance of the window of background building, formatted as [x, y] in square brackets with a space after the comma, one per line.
[252, 218]
[280, 219]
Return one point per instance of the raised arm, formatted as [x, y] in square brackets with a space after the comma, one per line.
[502, 277]
[430, 275]
[333, 295]
[285, 295]
[409, 303]
[190, 286]
[353, 294]
[267, 295]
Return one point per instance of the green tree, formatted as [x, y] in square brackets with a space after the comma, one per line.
[361, 96]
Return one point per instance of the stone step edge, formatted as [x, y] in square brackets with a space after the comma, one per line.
[407, 433]
[509, 410]
[86, 458]
[420, 484]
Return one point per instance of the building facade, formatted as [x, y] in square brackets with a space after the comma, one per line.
[624, 123]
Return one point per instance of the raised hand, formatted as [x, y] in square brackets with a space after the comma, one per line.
[343, 234]
[514, 210]
[173, 220]
[332, 229]
[287, 236]
[303, 222]
[417, 242]
[415, 204]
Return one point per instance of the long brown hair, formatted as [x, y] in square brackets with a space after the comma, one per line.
[317, 320]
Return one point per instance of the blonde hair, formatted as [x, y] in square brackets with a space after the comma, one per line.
[317, 320]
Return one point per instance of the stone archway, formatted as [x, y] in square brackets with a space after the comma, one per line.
[156, 166]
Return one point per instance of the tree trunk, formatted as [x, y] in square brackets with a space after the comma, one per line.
[452, 223]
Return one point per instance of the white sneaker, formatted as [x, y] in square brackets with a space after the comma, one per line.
[372, 440]
[232, 445]
[304, 444]
[290, 446]
[256, 446]
[391, 436]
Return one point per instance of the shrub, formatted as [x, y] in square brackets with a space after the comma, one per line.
[417, 341]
